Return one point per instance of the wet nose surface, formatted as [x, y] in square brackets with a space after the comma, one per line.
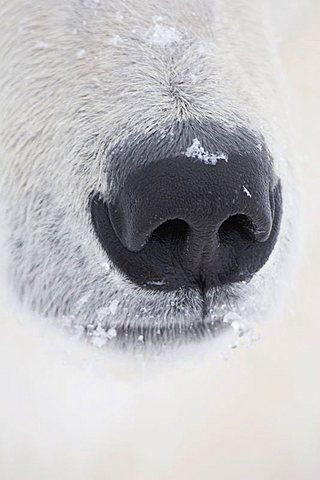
[181, 222]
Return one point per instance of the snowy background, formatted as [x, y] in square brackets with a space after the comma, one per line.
[66, 413]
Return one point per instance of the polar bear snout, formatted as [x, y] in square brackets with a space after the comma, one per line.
[146, 165]
[194, 220]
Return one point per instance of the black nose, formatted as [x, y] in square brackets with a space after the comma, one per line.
[190, 222]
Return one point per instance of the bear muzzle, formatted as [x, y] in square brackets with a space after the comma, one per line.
[196, 220]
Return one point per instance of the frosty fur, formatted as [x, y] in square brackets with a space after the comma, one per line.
[77, 78]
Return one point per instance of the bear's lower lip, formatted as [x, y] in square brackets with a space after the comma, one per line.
[137, 337]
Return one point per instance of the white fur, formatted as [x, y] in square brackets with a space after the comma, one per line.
[79, 77]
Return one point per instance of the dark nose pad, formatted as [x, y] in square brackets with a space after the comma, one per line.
[180, 222]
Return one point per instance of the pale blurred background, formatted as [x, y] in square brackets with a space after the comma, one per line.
[67, 415]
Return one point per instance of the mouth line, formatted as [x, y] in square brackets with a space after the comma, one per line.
[140, 337]
[181, 325]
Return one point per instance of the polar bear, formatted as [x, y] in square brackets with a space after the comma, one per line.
[147, 180]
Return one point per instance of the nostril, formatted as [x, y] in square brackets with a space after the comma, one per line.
[237, 228]
[171, 232]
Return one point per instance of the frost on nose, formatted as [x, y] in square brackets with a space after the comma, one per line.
[197, 151]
